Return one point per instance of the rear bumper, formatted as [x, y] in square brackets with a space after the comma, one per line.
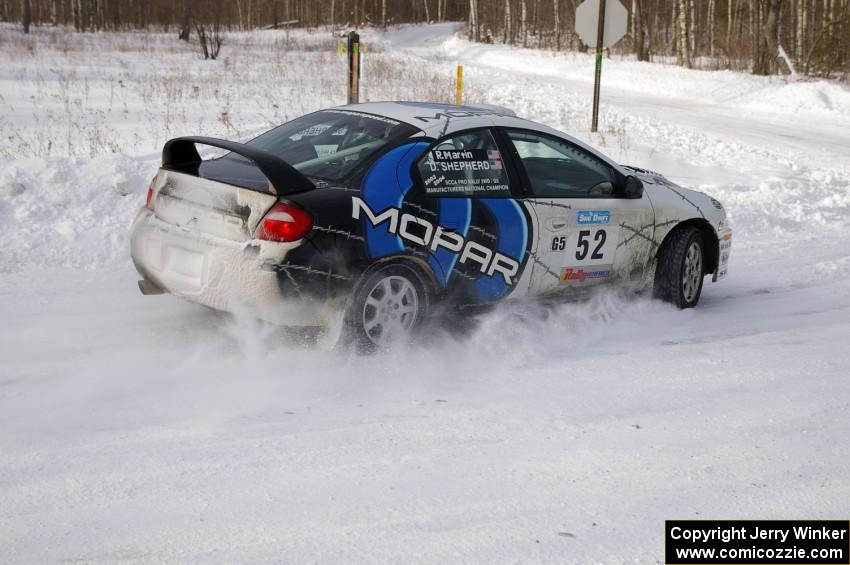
[221, 274]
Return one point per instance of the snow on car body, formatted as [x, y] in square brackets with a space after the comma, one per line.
[381, 210]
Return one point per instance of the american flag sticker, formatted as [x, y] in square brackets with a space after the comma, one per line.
[495, 159]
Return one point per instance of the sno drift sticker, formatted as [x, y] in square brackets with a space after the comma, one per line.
[587, 217]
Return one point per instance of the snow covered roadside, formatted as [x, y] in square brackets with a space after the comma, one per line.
[145, 429]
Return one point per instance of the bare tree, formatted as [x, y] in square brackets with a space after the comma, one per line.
[800, 40]
[523, 22]
[26, 15]
[209, 39]
[474, 24]
[692, 37]
[186, 21]
[710, 24]
[730, 21]
[556, 14]
[639, 31]
[683, 42]
[760, 65]
[770, 32]
[508, 32]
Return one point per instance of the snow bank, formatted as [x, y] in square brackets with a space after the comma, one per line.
[67, 212]
[815, 97]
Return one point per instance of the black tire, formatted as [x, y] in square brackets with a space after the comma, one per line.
[395, 316]
[680, 270]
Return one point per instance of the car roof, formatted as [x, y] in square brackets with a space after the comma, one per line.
[424, 114]
[438, 120]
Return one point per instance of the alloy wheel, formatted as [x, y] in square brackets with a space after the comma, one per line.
[390, 310]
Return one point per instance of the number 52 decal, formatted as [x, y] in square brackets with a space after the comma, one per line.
[587, 246]
[584, 244]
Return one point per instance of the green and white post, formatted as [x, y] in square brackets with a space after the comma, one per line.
[594, 122]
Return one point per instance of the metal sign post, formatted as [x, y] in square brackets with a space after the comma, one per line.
[353, 67]
[597, 78]
[600, 24]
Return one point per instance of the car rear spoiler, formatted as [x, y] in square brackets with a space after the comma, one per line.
[285, 178]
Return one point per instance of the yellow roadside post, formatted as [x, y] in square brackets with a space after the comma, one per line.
[459, 86]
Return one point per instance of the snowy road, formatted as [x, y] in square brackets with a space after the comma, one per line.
[144, 429]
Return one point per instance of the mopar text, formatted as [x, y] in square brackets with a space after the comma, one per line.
[420, 231]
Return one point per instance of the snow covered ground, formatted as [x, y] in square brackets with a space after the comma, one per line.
[145, 429]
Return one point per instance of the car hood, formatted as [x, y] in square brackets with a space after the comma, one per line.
[674, 200]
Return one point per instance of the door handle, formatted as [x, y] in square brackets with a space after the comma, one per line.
[557, 223]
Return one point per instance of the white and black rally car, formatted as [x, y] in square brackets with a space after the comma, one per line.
[374, 214]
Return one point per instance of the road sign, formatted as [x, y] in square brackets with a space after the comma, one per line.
[587, 22]
[601, 23]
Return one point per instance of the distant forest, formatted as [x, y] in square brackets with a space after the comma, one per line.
[810, 37]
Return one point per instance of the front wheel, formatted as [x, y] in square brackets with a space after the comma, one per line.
[679, 274]
[389, 306]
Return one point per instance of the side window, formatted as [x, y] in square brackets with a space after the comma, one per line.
[466, 164]
[559, 169]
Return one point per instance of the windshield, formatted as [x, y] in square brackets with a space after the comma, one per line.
[329, 144]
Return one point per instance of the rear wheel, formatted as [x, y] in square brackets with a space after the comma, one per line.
[389, 306]
[679, 274]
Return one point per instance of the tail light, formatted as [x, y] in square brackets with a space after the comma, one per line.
[149, 199]
[284, 222]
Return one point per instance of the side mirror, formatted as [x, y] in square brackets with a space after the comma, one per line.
[633, 187]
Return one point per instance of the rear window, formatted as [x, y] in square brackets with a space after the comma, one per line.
[330, 144]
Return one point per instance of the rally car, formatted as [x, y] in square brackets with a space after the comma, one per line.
[378, 215]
